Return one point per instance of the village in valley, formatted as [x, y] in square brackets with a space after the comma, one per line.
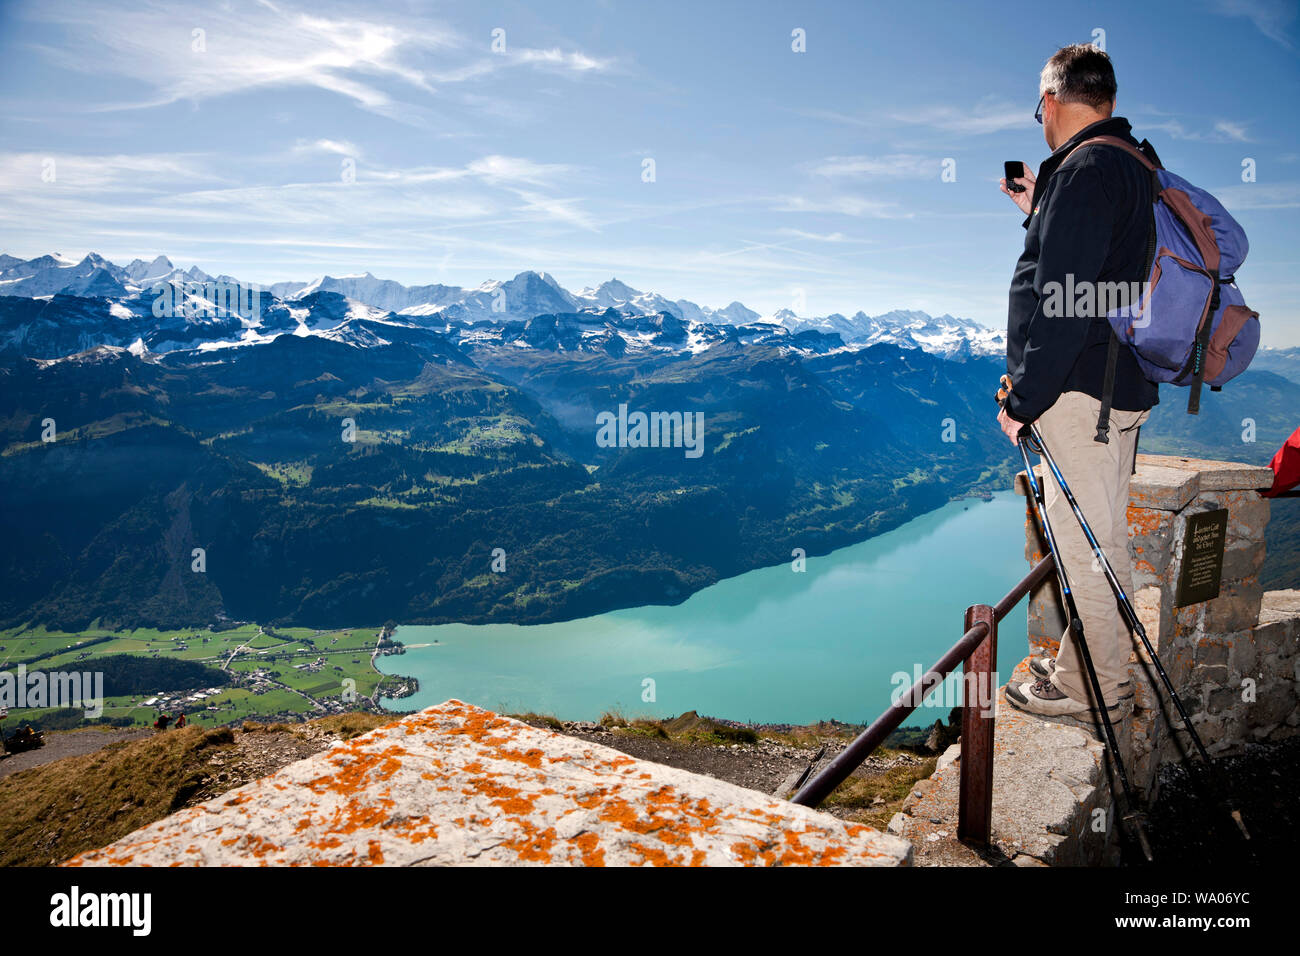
[222, 675]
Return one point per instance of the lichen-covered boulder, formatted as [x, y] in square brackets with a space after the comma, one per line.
[459, 785]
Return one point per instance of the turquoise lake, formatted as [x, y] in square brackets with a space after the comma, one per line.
[837, 640]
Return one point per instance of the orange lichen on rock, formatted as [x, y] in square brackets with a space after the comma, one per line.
[1142, 520]
[588, 845]
[503, 793]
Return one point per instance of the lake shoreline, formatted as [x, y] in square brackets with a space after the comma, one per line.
[837, 540]
[767, 647]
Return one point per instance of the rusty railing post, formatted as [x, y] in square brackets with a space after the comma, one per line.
[975, 802]
[977, 648]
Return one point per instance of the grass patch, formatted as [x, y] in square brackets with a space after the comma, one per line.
[347, 726]
[296, 474]
[892, 786]
[646, 728]
[55, 811]
[550, 720]
[689, 728]
[50, 813]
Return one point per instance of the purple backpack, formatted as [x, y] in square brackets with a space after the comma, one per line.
[1191, 325]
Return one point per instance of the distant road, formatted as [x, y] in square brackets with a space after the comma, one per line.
[226, 665]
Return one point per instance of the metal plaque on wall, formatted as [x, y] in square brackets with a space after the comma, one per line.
[1202, 570]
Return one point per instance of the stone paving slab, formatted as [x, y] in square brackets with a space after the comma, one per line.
[1168, 483]
[1160, 482]
[1226, 475]
[1279, 606]
[1048, 778]
[459, 785]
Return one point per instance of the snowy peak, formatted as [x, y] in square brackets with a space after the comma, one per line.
[55, 274]
[611, 293]
[736, 314]
[944, 335]
[612, 316]
[141, 272]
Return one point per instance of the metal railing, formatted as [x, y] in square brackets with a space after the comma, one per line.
[977, 652]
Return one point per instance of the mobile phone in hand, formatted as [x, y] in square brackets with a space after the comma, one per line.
[1015, 169]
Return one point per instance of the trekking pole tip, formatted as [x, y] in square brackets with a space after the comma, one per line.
[1241, 824]
[1138, 826]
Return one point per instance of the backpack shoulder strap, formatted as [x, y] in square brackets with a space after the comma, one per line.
[1152, 163]
[1107, 390]
[1134, 151]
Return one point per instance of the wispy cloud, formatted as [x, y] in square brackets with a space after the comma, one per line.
[59, 172]
[1233, 131]
[336, 146]
[1223, 131]
[231, 48]
[562, 60]
[553, 60]
[555, 208]
[1273, 18]
[845, 205]
[829, 237]
[1260, 196]
[984, 117]
[895, 166]
[235, 48]
[513, 169]
[102, 193]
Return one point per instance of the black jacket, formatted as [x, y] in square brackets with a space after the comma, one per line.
[1091, 220]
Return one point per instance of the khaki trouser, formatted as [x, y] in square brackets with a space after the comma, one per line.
[1098, 475]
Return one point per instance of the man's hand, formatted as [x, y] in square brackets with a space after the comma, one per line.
[1010, 427]
[1024, 200]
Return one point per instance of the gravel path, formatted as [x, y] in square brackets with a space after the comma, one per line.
[67, 743]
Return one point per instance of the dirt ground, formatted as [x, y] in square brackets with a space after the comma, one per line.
[1188, 826]
[770, 766]
[67, 743]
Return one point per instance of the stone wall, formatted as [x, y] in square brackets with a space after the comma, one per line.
[1232, 659]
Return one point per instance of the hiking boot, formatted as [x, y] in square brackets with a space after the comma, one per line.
[1042, 666]
[1045, 667]
[1045, 699]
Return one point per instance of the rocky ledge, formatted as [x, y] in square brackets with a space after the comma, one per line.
[459, 785]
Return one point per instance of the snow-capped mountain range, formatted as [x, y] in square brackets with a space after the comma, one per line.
[52, 306]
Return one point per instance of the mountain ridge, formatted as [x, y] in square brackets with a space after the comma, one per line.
[130, 294]
[339, 461]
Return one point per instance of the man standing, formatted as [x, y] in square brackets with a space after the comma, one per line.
[1089, 224]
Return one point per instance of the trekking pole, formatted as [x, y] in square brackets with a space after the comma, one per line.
[1130, 616]
[1132, 819]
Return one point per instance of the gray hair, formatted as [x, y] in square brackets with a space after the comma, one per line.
[1079, 73]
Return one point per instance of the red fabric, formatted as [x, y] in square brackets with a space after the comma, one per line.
[1286, 466]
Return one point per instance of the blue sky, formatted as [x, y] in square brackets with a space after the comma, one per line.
[782, 179]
